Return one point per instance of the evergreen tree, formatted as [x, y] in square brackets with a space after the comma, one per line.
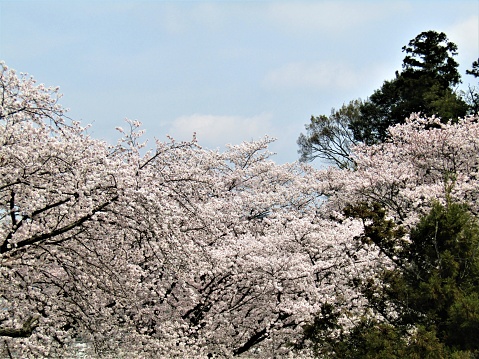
[426, 84]
[429, 302]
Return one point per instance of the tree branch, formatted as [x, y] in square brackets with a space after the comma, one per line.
[24, 332]
[41, 237]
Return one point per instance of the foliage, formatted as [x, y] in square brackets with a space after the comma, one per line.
[431, 53]
[428, 302]
[374, 340]
[423, 159]
[433, 291]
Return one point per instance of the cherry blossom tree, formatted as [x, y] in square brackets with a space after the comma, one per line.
[56, 186]
[175, 251]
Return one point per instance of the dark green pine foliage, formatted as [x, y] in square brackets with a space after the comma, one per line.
[474, 71]
[426, 85]
[443, 277]
[434, 291]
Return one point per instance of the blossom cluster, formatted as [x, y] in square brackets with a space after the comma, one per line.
[424, 160]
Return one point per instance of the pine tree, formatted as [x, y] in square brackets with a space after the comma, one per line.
[429, 302]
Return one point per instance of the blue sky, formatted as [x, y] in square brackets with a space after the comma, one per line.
[229, 71]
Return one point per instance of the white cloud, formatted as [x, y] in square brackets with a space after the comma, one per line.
[320, 75]
[216, 131]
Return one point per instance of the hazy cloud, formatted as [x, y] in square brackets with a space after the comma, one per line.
[332, 16]
[320, 75]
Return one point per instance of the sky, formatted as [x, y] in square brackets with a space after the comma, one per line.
[231, 71]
